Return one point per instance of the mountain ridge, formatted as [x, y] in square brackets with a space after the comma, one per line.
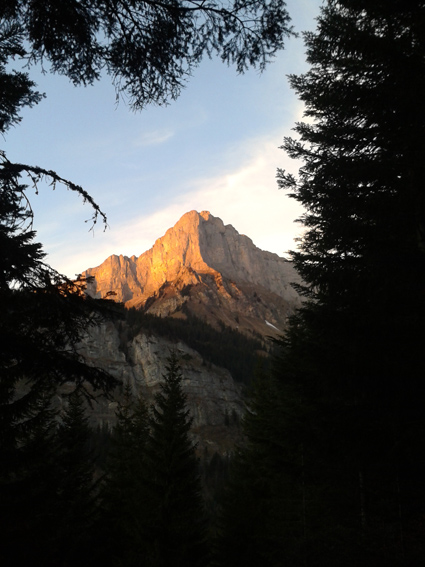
[207, 267]
[209, 275]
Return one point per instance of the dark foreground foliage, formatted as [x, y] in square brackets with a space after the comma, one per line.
[153, 512]
[148, 49]
[44, 316]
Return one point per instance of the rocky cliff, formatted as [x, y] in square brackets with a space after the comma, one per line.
[214, 399]
[199, 267]
[212, 270]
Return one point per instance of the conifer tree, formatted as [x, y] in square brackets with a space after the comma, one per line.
[262, 520]
[76, 492]
[149, 50]
[355, 347]
[44, 316]
[28, 476]
[124, 509]
[176, 529]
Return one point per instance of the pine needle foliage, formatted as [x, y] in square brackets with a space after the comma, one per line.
[149, 49]
[355, 347]
[177, 528]
[123, 507]
[262, 521]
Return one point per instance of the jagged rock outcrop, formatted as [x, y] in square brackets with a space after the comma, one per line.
[212, 270]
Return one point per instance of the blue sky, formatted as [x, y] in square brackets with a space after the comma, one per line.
[216, 148]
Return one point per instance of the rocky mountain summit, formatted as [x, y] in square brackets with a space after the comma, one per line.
[199, 271]
[206, 268]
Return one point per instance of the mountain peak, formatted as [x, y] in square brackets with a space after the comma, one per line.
[205, 215]
[198, 251]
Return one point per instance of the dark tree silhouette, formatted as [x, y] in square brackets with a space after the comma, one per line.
[28, 476]
[355, 347]
[176, 529]
[153, 512]
[43, 319]
[77, 490]
[149, 49]
[124, 511]
[262, 520]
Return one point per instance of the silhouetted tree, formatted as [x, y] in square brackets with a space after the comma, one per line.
[124, 510]
[176, 529]
[77, 489]
[44, 317]
[355, 348]
[262, 508]
[28, 476]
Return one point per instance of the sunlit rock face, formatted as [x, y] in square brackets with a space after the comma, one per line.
[199, 267]
[218, 274]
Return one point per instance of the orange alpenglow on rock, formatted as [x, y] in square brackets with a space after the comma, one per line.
[218, 273]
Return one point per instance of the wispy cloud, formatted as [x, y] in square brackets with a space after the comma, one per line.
[246, 196]
[153, 138]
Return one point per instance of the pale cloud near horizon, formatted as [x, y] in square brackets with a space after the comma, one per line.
[246, 196]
